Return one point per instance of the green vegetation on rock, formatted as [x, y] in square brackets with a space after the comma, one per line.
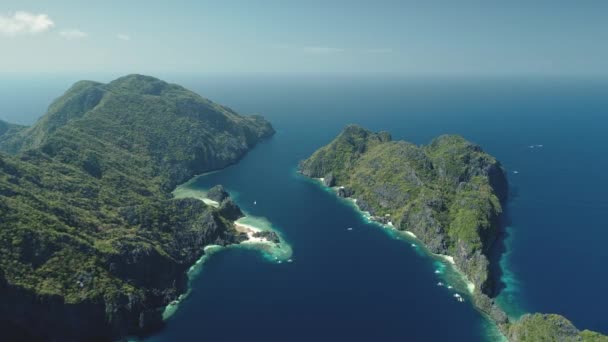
[92, 245]
[449, 194]
[550, 328]
[8, 130]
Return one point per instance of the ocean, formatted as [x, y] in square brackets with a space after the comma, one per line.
[366, 284]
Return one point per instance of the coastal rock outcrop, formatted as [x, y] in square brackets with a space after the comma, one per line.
[268, 235]
[329, 180]
[230, 210]
[344, 192]
[217, 193]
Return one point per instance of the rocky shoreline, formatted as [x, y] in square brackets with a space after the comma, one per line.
[482, 300]
[448, 194]
[93, 245]
[245, 234]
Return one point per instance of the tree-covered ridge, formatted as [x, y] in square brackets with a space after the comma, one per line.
[91, 242]
[170, 131]
[449, 194]
[4, 127]
[8, 130]
[550, 328]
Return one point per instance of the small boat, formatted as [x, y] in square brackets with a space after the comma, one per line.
[349, 228]
[255, 202]
[449, 286]
[413, 245]
[437, 271]
[456, 295]
[289, 260]
[460, 299]
[516, 172]
[439, 284]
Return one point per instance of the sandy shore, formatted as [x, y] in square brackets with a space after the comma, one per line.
[250, 230]
[447, 258]
[410, 234]
[211, 202]
[277, 252]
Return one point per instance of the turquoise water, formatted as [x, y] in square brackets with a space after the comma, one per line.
[368, 284]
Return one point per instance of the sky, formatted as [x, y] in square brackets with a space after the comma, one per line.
[396, 37]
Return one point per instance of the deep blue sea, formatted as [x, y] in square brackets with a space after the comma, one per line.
[364, 284]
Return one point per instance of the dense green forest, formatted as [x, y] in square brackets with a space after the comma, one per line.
[91, 242]
[449, 193]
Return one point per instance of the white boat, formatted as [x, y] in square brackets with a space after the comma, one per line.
[437, 271]
[439, 284]
[449, 286]
[289, 260]
[255, 202]
[349, 228]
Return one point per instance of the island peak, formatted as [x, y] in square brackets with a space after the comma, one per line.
[94, 246]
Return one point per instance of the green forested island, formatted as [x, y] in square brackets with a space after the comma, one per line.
[8, 130]
[92, 244]
[450, 194]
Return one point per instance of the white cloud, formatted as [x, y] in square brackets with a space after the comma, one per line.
[25, 22]
[123, 36]
[321, 50]
[73, 34]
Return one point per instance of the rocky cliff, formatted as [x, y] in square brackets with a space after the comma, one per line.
[92, 245]
[450, 194]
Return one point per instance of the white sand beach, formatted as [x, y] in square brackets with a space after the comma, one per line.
[250, 230]
[447, 258]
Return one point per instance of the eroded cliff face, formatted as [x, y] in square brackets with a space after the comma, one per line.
[156, 277]
[449, 194]
[92, 245]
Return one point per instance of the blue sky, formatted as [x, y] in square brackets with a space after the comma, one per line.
[401, 37]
